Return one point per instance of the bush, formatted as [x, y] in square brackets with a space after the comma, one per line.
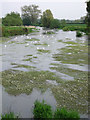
[78, 34]
[63, 113]
[42, 110]
[8, 116]
[66, 29]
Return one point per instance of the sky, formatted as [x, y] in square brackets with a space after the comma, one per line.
[61, 9]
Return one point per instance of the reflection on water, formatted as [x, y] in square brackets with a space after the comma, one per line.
[24, 104]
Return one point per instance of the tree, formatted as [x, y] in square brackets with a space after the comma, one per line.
[30, 13]
[88, 15]
[12, 19]
[47, 17]
[55, 23]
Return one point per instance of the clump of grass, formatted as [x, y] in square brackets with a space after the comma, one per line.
[42, 110]
[33, 39]
[78, 34]
[43, 51]
[8, 116]
[66, 29]
[64, 114]
[28, 59]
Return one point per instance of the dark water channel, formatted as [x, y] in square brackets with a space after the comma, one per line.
[62, 54]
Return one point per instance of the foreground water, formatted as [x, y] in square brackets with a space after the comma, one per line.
[53, 67]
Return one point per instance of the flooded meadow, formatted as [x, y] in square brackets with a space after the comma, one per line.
[50, 65]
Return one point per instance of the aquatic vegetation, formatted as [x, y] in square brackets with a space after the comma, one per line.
[32, 39]
[23, 66]
[72, 54]
[78, 34]
[43, 51]
[17, 82]
[70, 42]
[49, 32]
[28, 59]
[64, 114]
[59, 40]
[42, 110]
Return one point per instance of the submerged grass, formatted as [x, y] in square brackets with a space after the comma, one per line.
[43, 51]
[17, 82]
[32, 39]
[73, 55]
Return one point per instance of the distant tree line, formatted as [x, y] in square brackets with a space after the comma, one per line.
[31, 15]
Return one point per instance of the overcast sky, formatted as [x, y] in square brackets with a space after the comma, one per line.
[61, 9]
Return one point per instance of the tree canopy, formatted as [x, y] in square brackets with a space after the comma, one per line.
[30, 14]
[12, 19]
[47, 17]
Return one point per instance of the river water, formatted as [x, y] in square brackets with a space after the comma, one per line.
[61, 53]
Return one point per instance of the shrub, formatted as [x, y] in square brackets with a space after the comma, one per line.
[64, 114]
[42, 110]
[78, 34]
[66, 29]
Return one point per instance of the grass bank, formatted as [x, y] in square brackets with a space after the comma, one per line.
[16, 30]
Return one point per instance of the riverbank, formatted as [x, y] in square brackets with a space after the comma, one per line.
[17, 30]
[20, 30]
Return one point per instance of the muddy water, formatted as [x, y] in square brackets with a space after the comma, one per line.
[62, 54]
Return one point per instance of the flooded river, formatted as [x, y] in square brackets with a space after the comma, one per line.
[50, 67]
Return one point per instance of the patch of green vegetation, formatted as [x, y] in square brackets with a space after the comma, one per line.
[21, 42]
[70, 42]
[9, 116]
[72, 55]
[72, 95]
[49, 32]
[12, 31]
[59, 40]
[78, 34]
[42, 110]
[23, 66]
[34, 56]
[77, 74]
[43, 51]
[37, 44]
[17, 82]
[75, 27]
[29, 55]
[28, 59]
[11, 42]
[33, 39]
[65, 114]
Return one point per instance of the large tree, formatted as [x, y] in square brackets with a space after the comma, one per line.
[30, 14]
[12, 19]
[47, 18]
[88, 15]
